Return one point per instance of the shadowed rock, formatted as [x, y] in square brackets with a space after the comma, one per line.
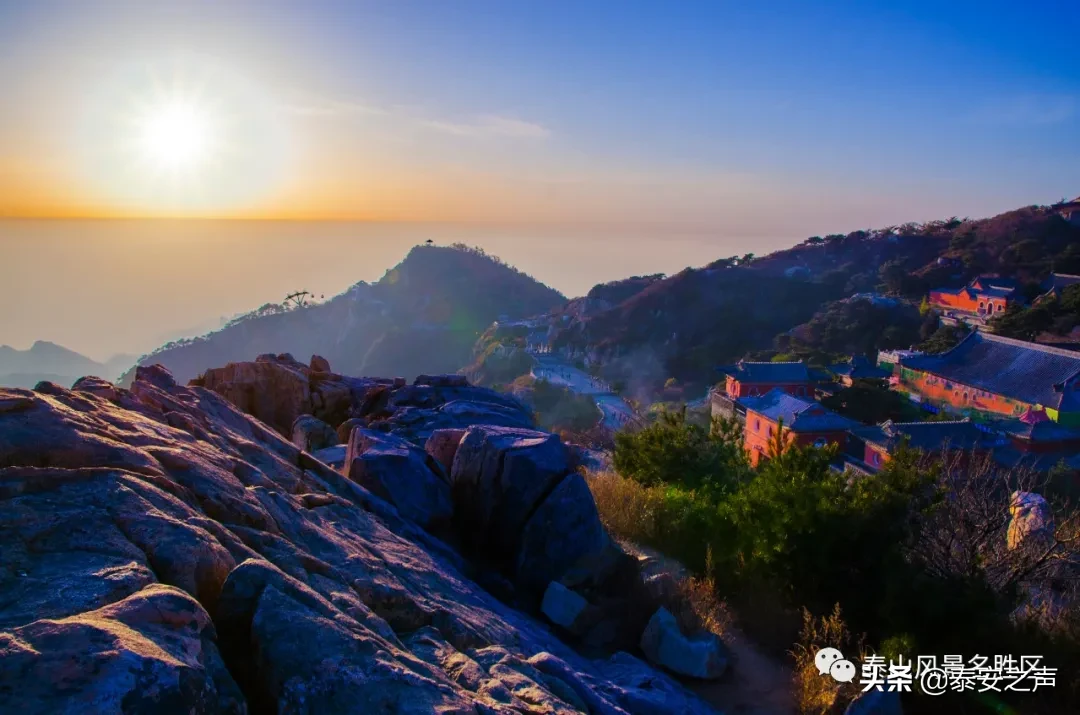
[700, 655]
[395, 470]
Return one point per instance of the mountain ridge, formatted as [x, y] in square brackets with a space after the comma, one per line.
[422, 316]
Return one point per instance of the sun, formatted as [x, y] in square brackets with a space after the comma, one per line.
[181, 137]
[176, 134]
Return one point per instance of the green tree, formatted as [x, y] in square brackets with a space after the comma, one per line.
[674, 450]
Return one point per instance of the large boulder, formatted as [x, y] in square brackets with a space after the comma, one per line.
[344, 430]
[401, 473]
[443, 444]
[563, 533]
[516, 497]
[311, 434]
[274, 390]
[500, 476]
[701, 655]
[563, 607]
[153, 651]
[277, 389]
[1030, 520]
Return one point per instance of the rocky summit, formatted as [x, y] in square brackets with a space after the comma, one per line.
[275, 537]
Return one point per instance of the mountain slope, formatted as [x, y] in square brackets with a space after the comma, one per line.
[422, 316]
[55, 363]
[683, 325]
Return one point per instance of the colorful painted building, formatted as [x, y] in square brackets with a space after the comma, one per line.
[802, 422]
[984, 297]
[747, 379]
[988, 376]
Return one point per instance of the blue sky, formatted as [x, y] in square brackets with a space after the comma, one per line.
[877, 111]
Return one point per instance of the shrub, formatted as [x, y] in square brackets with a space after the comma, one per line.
[674, 450]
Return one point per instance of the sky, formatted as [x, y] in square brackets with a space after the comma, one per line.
[686, 131]
[605, 112]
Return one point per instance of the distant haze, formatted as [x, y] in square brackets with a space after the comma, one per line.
[104, 287]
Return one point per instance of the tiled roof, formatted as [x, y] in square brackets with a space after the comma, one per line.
[997, 292]
[928, 436]
[995, 282]
[799, 415]
[1011, 368]
[1046, 431]
[1058, 281]
[859, 368]
[767, 372]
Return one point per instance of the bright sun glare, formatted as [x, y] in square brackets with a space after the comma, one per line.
[176, 134]
[182, 137]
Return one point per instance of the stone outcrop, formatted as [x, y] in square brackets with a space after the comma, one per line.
[443, 444]
[402, 474]
[277, 390]
[563, 607]
[311, 434]
[699, 655]
[161, 549]
[1030, 519]
[514, 492]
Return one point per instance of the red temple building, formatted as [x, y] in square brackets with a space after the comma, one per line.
[984, 297]
[746, 379]
[880, 442]
[804, 422]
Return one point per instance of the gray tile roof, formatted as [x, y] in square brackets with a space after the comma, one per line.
[928, 436]
[1047, 431]
[1016, 369]
[798, 414]
[859, 368]
[767, 372]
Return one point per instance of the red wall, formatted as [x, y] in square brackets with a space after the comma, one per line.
[964, 303]
[759, 433]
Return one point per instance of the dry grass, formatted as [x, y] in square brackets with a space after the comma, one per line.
[817, 694]
[631, 512]
[697, 607]
[628, 509]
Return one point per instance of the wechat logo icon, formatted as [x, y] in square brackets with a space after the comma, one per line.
[830, 661]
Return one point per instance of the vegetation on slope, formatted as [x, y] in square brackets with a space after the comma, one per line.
[424, 315]
[1052, 315]
[684, 325]
[914, 556]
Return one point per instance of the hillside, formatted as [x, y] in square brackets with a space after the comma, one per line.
[55, 363]
[422, 316]
[683, 325]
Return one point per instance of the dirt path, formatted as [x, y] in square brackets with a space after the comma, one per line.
[755, 684]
